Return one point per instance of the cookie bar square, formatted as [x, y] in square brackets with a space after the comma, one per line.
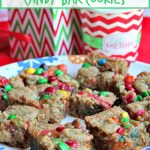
[15, 121]
[105, 63]
[88, 102]
[52, 137]
[114, 130]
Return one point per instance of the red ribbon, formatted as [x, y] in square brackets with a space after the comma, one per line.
[4, 30]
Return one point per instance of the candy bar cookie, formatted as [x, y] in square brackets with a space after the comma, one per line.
[64, 137]
[140, 111]
[114, 130]
[88, 76]
[58, 103]
[88, 102]
[54, 75]
[108, 80]
[4, 88]
[104, 63]
[56, 100]
[142, 82]
[15, 121]
[128, 92]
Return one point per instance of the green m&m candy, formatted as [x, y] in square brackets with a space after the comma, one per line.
[63, 146]
[42, 81]
[58, 73]
[8, 88]
[125, 120]
[103, 93]
[138, 98]
[39, 71]
[5, 97]
[46, 96]
[86, 65]
[12, 116]
[145, 94]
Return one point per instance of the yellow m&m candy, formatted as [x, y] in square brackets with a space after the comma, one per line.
[125, 115]
[30, 71]
[64, 93]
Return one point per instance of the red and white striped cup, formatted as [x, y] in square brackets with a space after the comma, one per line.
[114, 33]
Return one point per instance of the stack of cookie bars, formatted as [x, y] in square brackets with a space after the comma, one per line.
[114, 104]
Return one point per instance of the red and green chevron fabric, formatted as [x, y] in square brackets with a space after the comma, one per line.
[53, 32]
[113, 34]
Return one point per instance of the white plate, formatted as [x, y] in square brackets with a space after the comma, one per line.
[73, 63]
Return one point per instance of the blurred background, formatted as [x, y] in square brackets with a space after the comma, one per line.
[29, 33]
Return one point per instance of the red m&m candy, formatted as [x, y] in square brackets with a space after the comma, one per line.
[3, 81]
[50, 90]
[72, 144]
[121, 131]
[129, 98]
[61, 128]
[44, 74]
[52, 79]
[140, 112]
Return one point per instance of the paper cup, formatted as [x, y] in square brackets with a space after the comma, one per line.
[113, 33]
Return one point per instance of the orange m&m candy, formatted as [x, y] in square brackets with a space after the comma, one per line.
[129, 79]
[62, 67]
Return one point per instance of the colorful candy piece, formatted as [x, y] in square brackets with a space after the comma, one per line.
[140, 112]
[3, 81]
[44, 132]
[46, 96]
[50, 90]
[44, 66]
[51, 72]
[5, 97]
[138, 98]
[102, 61]
[42, 81]
[129, 79]
[39, 71]
[72, 144]
[52, 79]
[125, 115]
[12, 116]
[134, 133]
[44, 74]
[63, 86]
[62, 67]
[121, 138]
[64, 93]
[60, 129]
[125, 120]
[103, 93]
[129, 98]
[129, 87]
[58, 73]
[145, 94]
[121, 131]
[30, 71]
[8, 88]
[63, 146]
[86, 65]
[115, 119]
